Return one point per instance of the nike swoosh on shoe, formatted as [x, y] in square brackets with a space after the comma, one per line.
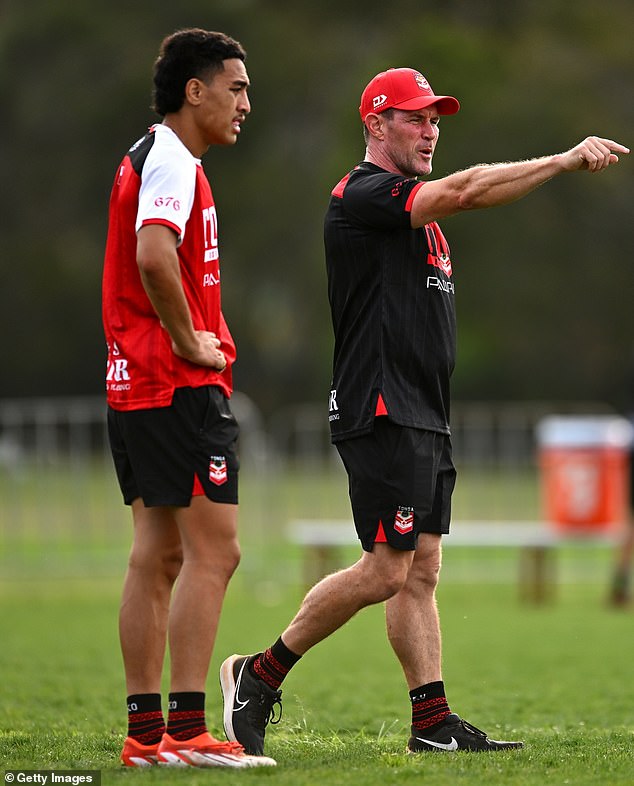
[445, 746]
[236, 698]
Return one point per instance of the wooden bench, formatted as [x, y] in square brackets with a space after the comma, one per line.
[537, 542]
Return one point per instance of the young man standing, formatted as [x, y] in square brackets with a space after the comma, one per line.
[172, 433]
[392, 300]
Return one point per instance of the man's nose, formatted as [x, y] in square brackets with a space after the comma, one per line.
[244, 105]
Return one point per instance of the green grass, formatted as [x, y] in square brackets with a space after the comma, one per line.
[557, 675]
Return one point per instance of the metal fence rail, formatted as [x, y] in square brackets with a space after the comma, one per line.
[41, 431]
[60, 503]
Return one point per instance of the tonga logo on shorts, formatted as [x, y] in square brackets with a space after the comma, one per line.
[218, 470]
[404, 521]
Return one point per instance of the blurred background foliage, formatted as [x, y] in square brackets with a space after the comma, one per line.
[544, 286]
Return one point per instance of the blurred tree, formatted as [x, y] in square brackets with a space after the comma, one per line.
[544, 287]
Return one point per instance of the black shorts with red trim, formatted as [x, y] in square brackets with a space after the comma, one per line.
[166, 455]
[401, 481]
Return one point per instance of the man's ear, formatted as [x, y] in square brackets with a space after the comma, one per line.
[374, 124]
[193, 91]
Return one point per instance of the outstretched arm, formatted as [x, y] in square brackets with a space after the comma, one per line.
[488, 185]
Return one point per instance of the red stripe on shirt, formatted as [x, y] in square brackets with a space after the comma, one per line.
[412, 194]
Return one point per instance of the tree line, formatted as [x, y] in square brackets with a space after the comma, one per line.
[543, 287]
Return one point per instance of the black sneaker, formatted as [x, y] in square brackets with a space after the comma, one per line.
[249, 704]
[456, 734]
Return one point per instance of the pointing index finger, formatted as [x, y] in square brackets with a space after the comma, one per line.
[615, 147]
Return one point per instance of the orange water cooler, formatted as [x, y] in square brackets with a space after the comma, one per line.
[584, 463]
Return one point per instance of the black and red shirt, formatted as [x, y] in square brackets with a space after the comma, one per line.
[160, 182]
[391, 295]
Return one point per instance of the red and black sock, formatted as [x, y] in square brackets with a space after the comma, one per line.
[145, 718]
[186, 716]
[429, 706]
[273, 664]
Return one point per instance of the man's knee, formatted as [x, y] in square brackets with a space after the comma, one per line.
[232, 557]
[172, 563]
[425, 570]
[391, 584]
[219, 557]
[163, 563]
[387, 571]
[427, 576]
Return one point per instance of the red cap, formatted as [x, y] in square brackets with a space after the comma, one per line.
[403, 88]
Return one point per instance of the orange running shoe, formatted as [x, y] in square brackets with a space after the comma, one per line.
[206, 751]
[134, 754]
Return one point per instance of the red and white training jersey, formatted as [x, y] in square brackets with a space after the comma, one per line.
[160, 182]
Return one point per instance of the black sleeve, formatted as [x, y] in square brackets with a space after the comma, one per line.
[379, 199]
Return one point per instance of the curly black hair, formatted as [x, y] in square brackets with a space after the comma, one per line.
[188, 54]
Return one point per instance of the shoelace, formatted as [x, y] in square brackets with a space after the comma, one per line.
[277, 702]
[472, 729]
[219, 746]
[263, 712]
[227, 747]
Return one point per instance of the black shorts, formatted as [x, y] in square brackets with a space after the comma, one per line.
[401, 481]
[166, 455]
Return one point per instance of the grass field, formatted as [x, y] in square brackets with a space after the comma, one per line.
[558, 676]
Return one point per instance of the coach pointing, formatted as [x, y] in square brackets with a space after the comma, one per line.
[392, 300]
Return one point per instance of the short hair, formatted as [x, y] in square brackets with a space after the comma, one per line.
[187, 54]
